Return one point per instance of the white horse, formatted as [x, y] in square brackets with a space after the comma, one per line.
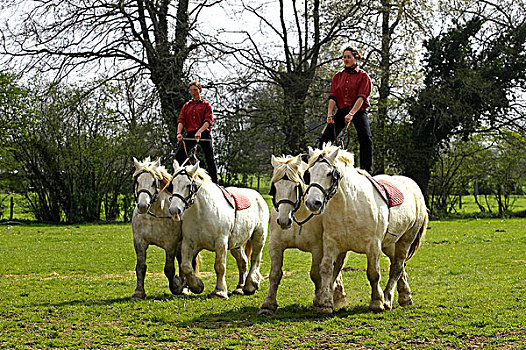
[287, 196]
[152, 224]
[210, 222]
[357, 218]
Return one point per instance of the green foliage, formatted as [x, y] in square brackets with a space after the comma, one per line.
[468, 88]
[69, 287]
[72, 150]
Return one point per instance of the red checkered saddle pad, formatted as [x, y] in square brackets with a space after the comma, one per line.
[389, 192]
[235, 199]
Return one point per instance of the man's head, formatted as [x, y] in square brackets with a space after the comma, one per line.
[351, 55]
[195, 90]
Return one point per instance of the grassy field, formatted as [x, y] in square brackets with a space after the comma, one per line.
[69, 287]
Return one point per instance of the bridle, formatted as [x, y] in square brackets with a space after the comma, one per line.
[297, 189]
[153, 196]
[335, 179]
[192, 190]
[296, 205]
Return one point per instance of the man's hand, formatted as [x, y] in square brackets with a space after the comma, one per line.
[179, 137]
[348, 117]
[197, 135]
[330, 120]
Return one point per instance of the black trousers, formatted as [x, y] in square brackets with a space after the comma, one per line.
[363, 130]
[207, 148]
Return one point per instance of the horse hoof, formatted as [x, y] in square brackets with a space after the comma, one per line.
[266, 312]
[177, 285]
[324, 310]
[377, 307]
[405, 301]
[250, 289]
[340, 302]
[186, 291]
[238, 291]
[219, 295]
[198, 289]
[138, 295]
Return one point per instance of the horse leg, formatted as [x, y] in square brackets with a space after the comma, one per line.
[188, 254]
[339, 296]
[254, 276]
[242, 265]
[404, 292]
[326, 301]
[140, 269]
[373, 275]
[174, 282]
[270, 304]
[389, 250]
[315, 274]
[220, 267]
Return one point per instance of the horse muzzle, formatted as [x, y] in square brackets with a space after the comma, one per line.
[314, 204]
[284, 223]
[176, 212]
[142, 207]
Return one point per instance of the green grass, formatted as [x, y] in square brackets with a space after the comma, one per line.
[69, 287]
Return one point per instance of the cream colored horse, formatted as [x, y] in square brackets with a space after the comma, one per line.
[209, 222]
[357, 218]
[151, 223]
[286, 189]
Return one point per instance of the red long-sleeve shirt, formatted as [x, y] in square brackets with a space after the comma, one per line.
[348, 85]
[195, 113]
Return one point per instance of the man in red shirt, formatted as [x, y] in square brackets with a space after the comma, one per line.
[350, 90]
[196, 118]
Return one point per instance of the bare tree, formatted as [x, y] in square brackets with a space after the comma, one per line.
[296, 34]
[148, 37]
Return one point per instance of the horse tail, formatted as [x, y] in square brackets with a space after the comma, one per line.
[248, 249]
[418, 238]
[195, 263]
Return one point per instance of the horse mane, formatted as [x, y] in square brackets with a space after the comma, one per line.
[344, 157]
[201, 173]
[159, 172]
[284, 168]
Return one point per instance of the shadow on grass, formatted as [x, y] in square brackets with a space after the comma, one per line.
[248, 316]
[120, 300]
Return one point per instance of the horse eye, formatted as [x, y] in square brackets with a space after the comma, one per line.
[329, 174]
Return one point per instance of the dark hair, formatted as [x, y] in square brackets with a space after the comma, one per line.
[196, 84]
[354, 51]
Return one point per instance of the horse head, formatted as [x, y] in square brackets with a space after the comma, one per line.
[286, 188]
[146, 183]
[186, 182]
[322, 177]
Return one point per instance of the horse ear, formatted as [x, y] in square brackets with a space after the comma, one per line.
[136, 163]
[297, 162]
[192, 170]
[147, 160]
[273, 161]
[311, 151]
[176, 164]
[158, 162]
[334, 154]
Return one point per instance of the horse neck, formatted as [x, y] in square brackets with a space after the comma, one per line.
[162, 200]
[350, 183]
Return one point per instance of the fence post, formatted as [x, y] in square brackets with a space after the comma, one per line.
[11, 206]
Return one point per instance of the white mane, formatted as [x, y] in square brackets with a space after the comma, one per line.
[285, 167]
